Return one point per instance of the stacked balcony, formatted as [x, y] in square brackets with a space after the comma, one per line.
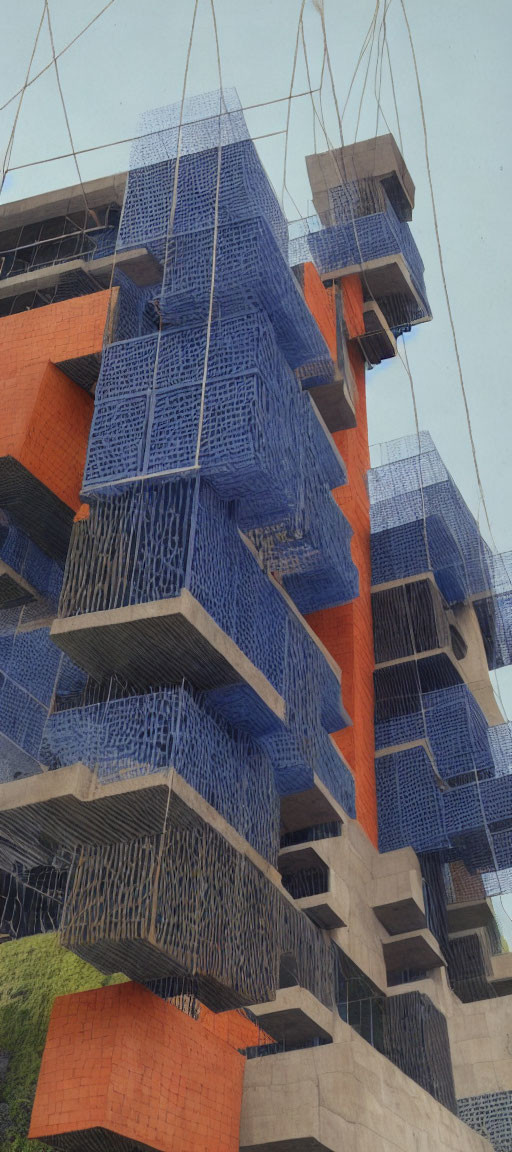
[443, 753]
[364, 196]
[193, 702]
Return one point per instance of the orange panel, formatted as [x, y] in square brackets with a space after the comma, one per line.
[45, 416]
[234, 1027]
[122, 1060]
[347, 632]
[352, 291]
[321, 303]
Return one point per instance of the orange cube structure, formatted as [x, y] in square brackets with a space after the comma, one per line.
[123, 1069]
[45, 415]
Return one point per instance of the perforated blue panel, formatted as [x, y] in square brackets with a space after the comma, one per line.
[173, 729]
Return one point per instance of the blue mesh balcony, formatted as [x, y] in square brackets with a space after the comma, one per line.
[245, 193]
[250, 273]
[172, 728]
[26, 573]
[494, 612]
[454, 725]
[28, 668]
[311, 552]
[365, 228]
[471, 822]
[421, 523]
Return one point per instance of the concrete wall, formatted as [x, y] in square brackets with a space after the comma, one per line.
[347, 1098]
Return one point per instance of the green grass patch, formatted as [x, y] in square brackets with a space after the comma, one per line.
[33, 971]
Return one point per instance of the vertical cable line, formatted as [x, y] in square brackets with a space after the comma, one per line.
[10, 143]
[443, 274]
[64, 109]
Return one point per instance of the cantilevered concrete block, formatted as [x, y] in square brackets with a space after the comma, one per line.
[165, 641]
[378, 342]
[467, 914]
[308, 808]
[308, 876]
[397, 894]
[378, 158]
[295, 1017]
[70, 806]
[418, 950]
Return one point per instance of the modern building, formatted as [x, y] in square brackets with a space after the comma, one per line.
[255, 786]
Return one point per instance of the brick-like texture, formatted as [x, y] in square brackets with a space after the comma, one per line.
[347, 631]
[44, 416]
[122, 1061]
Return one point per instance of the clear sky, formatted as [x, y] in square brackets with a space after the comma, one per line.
[133, 59]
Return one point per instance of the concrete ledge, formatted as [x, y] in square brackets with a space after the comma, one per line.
[162, 641]
[397, 892]
[328, 909]
[63, 201]
[70, 806]
[378, 342]
[294, 1017]
[335, 404]
[138, 264]
[418, 950]
[467, 914]
[313, 806]
[385, 276]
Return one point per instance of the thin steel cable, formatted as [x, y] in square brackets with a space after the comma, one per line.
[64, 109]
[215, 241]
[443, 276]
[59, 54]
[10, 143]
[288, 111]
[155, 132]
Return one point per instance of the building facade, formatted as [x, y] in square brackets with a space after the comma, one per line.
[255, 786]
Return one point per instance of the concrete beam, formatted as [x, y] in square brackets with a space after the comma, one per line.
[335, 403]
[378, 343]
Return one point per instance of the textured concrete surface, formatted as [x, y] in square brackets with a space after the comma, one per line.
[347, 1098]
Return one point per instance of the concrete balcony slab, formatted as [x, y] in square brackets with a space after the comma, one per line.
[294, 1017]
[71, 805]
[378, 342]
[139, 265]
[384, 276]
[327, 907]
[312, 806]
[418, 950]
[165, 641]
[468, 914]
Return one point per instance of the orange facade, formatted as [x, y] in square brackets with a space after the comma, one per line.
[46, 416]
[121, 1060]
[347, 631]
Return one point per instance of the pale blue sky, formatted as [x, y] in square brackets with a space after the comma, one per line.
[133, 59]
